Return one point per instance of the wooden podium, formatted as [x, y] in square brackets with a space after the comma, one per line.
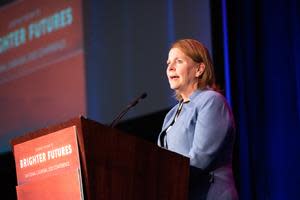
[82, 159]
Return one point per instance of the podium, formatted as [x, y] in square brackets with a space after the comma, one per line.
[83, 159]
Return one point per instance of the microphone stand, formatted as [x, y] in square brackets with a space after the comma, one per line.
[122, 113]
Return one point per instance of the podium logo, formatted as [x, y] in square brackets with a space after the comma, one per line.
[43, 157]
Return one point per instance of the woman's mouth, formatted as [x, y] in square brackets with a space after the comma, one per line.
[173, 77]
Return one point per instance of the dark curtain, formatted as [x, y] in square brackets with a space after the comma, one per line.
[264, 40]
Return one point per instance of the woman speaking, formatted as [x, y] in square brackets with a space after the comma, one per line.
[201, 125]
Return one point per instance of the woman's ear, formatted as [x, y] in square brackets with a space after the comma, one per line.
[200, 69]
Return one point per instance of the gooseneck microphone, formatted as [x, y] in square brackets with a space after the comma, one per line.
[132, 104]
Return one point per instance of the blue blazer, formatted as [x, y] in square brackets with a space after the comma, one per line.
[204, 131]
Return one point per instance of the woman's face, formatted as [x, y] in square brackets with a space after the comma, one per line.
[182, 73]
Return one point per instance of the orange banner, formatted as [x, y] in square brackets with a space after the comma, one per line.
[48, 155]
[42, 65]
[31, 36]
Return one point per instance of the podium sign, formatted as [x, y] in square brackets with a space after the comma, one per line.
[49, 166]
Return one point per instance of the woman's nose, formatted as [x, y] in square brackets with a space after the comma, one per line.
[170, 67]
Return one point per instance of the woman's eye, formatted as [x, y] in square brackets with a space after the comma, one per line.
[179, 61]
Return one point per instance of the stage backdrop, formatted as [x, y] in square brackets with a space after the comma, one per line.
[67, 58]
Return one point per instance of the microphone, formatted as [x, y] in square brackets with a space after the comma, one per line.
[132, 104]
